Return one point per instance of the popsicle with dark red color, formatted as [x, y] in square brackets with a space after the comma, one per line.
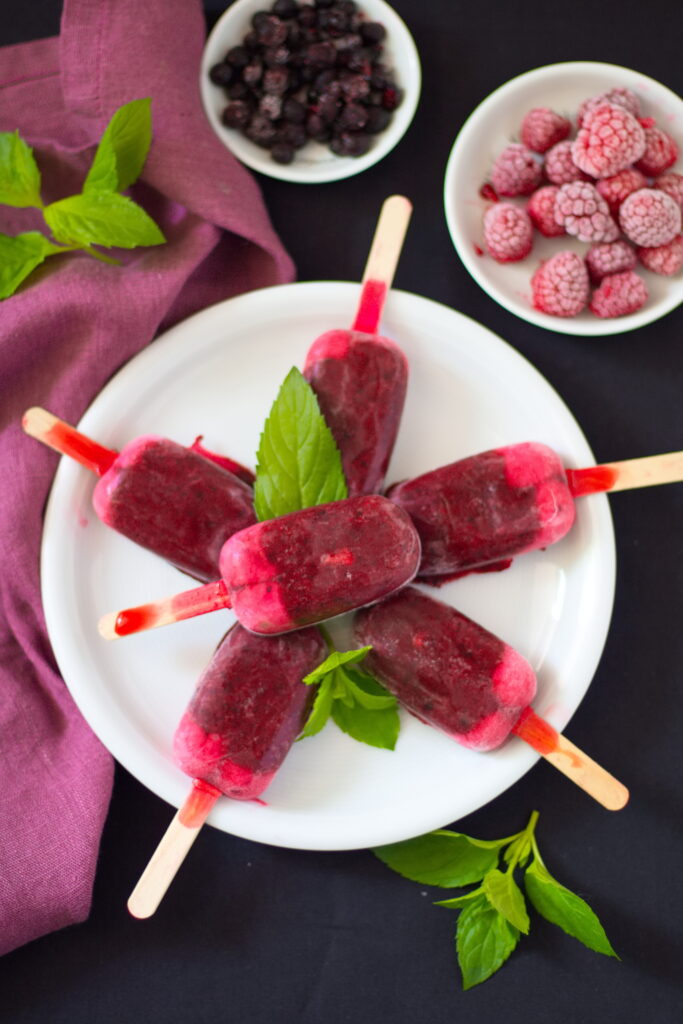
[360, 377]
[178, 502]
[482, 511]
[453, 674]
[298, 569]
[249, 706]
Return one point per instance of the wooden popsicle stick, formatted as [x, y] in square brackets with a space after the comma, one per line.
[571, 761]
[172, 850]
[66, 440]
[631, 473]
[210, 597]
[382, 261]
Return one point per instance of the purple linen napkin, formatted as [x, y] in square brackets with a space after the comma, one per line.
[69, 328]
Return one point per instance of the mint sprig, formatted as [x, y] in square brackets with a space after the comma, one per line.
[493, 916]
[298, 462]
[98, 215]
[355, 701]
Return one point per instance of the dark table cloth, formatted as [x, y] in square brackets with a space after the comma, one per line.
[262, 934]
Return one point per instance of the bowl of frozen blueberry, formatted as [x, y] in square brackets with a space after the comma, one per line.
[310, 90]
[564, 197]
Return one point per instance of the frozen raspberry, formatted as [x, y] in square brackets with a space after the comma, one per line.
[618, 295]
[663, 259]
[582, 211]
[619, 97]
[672, 184]
[661, 152]
[609, 140]
[560, 285]
[542, 128]
[615, 189]
[516, 172]
[508, 232]
[609, 258]
[541, 209]
[650, 217]
[559, 165]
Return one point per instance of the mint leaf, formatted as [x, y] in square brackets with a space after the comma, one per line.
[564, 908]
[19, 174]
[122, 150]
[19, 255]
[102, 218]
[484, 940]
[443, 858]
[379, 727]
[458, 902]
[320, 712]
[335, 660]
[298, 461]
[504, 894]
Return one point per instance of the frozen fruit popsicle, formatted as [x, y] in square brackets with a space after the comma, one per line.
[298, 569]
[249, 706]
[453, 674]
[179, 503]
[483, 510]
[360, 377]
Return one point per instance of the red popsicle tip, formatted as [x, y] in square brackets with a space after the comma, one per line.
[591, 480]
[536, 732]
[200, 800]
[369, 312]
[57, 434]
[187, 605]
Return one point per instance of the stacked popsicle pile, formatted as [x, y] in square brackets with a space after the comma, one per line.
[283, 575]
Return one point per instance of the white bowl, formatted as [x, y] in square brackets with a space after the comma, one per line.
[492, 126]
[315, 162]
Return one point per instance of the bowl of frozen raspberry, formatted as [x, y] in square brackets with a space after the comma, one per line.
[563, 196]
[310, 91]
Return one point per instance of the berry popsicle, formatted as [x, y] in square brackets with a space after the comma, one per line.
[297, 569]
[249, 706]
[483, 510]
[181, 503]
[453, 674]
[360, 377]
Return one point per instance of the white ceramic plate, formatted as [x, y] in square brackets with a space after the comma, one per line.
[217, 374]
[492, 126]
[315, 163]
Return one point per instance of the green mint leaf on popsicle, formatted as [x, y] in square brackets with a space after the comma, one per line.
[19, 174]
[122, 150]
[484, 940]
[443, 858]
[102, 218]
[358, 704]
[564, 908]
[19, 256]
[298, 462]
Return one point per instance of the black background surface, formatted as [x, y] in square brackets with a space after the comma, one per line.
[259, 934]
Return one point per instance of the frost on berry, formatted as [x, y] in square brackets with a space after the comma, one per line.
[672, 184]
[609, 140]
[582, 211]
[560, 285]
[508, 232]
[650, 217]
[541, 209]
[609, 258]
[619, 96]
[615, 189]
[663, 259]
[661, 152]
[559, 165]
[516, 172]
[618, 295]
[542, 128]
